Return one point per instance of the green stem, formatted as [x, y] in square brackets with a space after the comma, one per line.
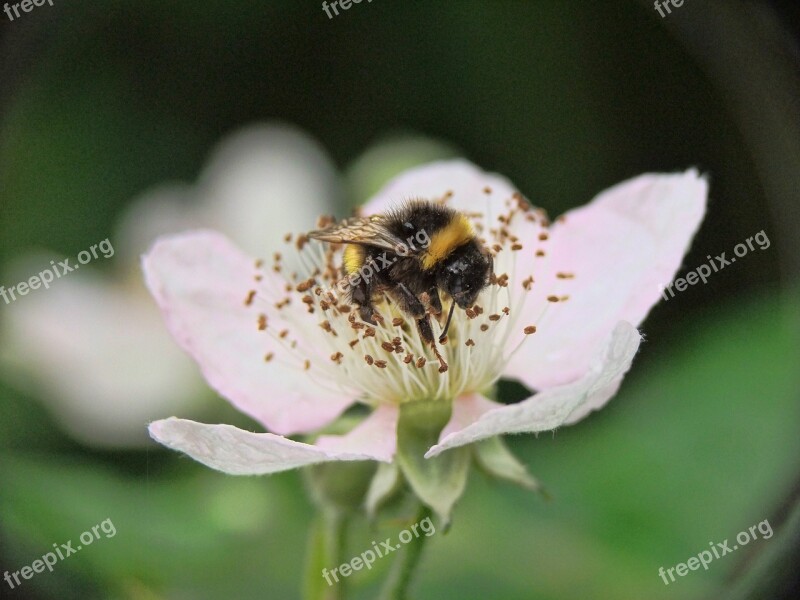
[396, 586]
[326, 550]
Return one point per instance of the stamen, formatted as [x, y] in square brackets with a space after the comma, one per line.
[393, 334]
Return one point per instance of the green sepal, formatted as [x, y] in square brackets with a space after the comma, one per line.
[385, 485]
[494, 458]
[340, 486]
[439, 481]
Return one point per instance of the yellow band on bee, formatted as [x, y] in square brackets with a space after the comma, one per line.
[456, 233]
[353, 258]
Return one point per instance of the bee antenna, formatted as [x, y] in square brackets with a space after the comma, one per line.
[447, 324]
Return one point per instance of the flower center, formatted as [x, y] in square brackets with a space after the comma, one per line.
[319, 331]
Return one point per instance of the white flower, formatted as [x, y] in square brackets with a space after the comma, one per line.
[561, 318]
[94, 347]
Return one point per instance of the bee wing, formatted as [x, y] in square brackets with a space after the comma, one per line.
[367, 231]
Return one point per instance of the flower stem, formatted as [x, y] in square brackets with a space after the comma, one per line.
[326, 550]
[402, 573]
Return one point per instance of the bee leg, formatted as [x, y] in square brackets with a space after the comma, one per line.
[360, 296]
[434, 301]
[367, 313]
[412, 305]
[442, 363]
[407, 301]
[424, 328]
[426, 333]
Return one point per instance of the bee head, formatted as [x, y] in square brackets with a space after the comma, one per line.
[465, 273]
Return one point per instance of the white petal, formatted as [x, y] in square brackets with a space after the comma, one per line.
[199, 280]
[238, 452]
[472, 190]
[389, 157]
[376, 436]
[556, 406]
[620, 248]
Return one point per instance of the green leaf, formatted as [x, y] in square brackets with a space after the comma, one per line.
[440, 481]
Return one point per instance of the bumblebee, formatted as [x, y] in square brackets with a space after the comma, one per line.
[410, 254]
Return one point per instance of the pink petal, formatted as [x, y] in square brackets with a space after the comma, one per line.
[200, 280]
[621, 248]
[376, 436]
[559, 405]
[473, 190]
[238, 452]
[466, 410]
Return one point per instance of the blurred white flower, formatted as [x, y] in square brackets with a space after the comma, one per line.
[93, 346]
